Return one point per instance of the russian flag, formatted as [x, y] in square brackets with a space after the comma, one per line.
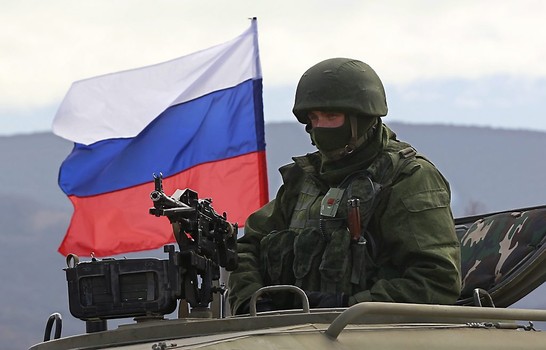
[197, 119]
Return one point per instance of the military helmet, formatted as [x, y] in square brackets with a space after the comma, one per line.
[340, 84]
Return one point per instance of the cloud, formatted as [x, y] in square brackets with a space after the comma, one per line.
[499, 101]
[47, 45]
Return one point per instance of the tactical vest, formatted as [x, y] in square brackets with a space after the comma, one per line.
[317, 252]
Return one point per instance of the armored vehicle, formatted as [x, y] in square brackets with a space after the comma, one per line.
[503, 254]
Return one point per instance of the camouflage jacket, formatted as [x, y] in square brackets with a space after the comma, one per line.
[412, 252]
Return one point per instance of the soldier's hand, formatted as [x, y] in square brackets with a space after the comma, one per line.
[322, 300]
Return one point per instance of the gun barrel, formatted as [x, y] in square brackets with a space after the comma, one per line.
[166, 201]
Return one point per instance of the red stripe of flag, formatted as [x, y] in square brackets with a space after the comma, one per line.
[106, 225]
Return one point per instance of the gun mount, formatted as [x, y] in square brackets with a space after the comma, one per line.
[109, 288]
[207, 241]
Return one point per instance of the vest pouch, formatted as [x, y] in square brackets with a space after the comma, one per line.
[277, 256]
[307, 248]
[335, 259]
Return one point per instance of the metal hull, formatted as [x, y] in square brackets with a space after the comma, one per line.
[364, 326]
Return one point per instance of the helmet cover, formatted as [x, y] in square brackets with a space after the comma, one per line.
[340, 84]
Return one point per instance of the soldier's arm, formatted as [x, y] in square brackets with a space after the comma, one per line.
[247, 278]
[418, 232]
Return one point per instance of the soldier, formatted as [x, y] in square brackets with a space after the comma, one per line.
[365, 218]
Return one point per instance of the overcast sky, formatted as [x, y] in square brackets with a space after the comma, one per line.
[456, 62]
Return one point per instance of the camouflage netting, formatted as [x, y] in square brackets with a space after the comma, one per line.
[495, 247]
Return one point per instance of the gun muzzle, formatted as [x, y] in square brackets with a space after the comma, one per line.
[156, 196]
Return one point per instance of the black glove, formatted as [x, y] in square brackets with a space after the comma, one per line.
[320, 299]
[262, 305]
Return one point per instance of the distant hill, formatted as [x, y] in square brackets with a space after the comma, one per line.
[489, 170]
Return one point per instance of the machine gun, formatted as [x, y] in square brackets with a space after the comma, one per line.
[149, 287]
[206, 240]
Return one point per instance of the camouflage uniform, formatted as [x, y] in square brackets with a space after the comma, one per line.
[409, 251]
[414, 256]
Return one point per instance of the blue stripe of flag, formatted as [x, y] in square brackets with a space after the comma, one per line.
[183, 136]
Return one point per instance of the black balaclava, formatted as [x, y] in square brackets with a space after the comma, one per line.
[336, 143]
